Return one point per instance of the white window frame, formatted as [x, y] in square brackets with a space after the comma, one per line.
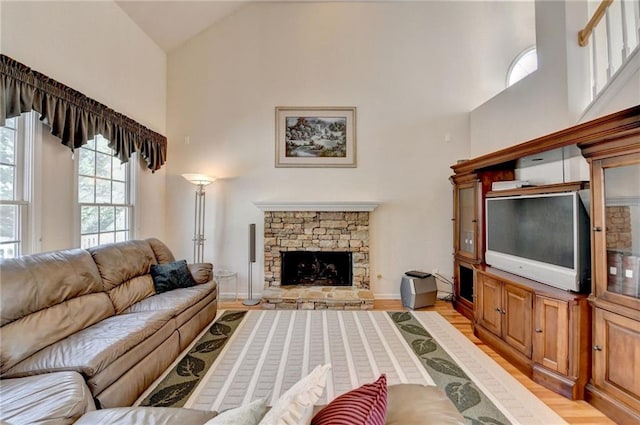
[130, 170]
[27, 181]
[517, 63]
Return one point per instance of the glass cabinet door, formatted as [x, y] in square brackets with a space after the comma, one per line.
[467, 222]
[622, 229]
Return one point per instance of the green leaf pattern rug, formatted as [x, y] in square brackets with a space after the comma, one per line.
[177, 386]
[256, 354]
[470, 401]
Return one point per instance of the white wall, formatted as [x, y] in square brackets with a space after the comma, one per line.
[96, 49]
[413, 70]
[537, 104]
[556, 95]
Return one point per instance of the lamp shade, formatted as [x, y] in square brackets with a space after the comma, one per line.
[202, 179]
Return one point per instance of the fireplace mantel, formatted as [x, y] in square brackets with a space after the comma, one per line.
[316, 206]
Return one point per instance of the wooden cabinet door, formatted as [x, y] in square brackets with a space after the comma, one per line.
[466, 219]
[551, 334]
[489, 304]
[615, 222]
[517, 313]
[616, 356]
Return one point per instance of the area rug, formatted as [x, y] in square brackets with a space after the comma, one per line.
[261, 353]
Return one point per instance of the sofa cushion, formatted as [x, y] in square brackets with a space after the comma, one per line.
[118, 367]
[53, 398]
[295, 406]
[123, 267]
[413, 404]
[91, 350]
[37, 331]
[122, 261]
[34, 282]
[365, 405]
[147, 416]
[248, 414]
[177, 300]
[131, 291]
[128, 388]
[162, 252]
[170, 276]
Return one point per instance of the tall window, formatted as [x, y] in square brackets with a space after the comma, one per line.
[16, 143]
[104, 195]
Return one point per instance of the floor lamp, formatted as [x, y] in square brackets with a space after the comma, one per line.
[200, 180]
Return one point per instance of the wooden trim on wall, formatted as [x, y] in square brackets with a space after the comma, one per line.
[537, 190]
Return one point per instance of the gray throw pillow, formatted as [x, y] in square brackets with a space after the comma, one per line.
[169, 276]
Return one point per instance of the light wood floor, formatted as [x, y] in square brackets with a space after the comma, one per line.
[574, 412]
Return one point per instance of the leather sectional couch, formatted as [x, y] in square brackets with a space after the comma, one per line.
[85, 328]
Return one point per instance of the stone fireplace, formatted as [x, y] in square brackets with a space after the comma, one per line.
[315, 236]
[322, 231]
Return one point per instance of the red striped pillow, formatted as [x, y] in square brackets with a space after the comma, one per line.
[366, 405]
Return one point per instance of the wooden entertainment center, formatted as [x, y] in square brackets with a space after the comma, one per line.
[581, 345]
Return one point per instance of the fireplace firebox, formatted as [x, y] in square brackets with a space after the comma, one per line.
[316, 268]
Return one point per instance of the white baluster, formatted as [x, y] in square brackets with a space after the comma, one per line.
[610, 71]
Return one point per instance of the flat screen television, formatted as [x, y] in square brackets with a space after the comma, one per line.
[542, 237]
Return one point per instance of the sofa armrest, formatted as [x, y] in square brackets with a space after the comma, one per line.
[162, 252]
[201, 272]
[146, 415]
[58, 397]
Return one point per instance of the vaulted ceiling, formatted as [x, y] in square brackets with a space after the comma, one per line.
[170, 23]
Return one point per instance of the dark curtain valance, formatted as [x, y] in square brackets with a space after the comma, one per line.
[74, 117]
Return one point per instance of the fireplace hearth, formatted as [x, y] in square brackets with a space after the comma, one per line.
[316, 268]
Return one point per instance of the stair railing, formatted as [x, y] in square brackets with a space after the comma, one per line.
[612, 43]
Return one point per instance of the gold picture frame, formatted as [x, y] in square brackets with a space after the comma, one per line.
[315, 136]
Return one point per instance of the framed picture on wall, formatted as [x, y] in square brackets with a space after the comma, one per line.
[315, 136]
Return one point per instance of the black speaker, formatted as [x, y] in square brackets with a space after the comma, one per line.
[252, 243]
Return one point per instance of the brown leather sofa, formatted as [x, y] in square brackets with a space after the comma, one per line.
[94, 313]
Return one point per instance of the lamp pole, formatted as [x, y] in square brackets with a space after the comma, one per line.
[200, 180]
[198, 231]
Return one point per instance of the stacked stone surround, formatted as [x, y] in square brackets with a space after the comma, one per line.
[316, 231]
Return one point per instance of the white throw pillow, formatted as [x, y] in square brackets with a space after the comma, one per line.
[249, 414]
[295, 406]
